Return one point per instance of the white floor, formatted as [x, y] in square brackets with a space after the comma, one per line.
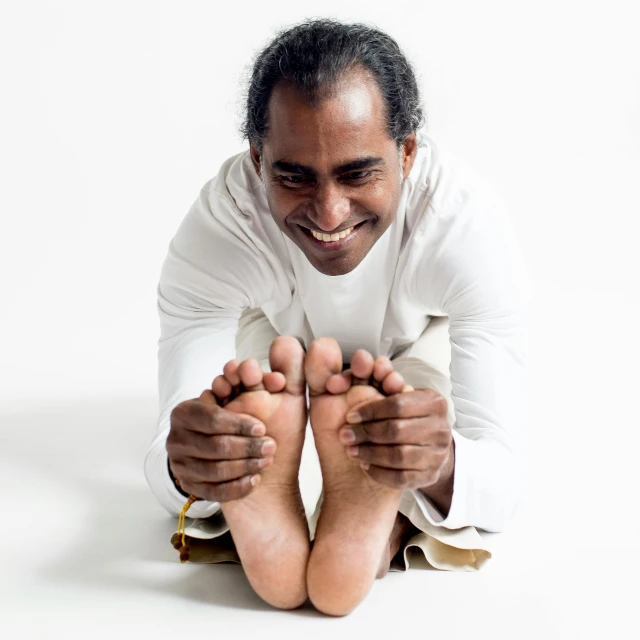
[96, 559]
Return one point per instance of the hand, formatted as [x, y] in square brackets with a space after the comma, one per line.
[405, 439]
[213, 453]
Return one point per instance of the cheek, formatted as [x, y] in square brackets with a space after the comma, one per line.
[281, 203]
[382, 195]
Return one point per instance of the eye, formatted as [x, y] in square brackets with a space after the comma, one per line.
[294, 181]
[358, 175]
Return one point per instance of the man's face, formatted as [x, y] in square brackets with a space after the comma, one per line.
[332, 169]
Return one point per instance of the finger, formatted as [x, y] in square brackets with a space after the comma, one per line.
[221, 447]
[399, 479]
[420, 402]
[417, 431]
[208, 418]
[222, 492]
[207, 471]
[403, 456]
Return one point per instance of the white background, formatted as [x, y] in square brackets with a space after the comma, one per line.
[114, 114]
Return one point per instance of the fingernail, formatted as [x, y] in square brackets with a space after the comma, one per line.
[353, 451]
[258, 430]
[354, 416]
[265, 462]
[254, 480]
[365, 465]
[347, 435]
[268, 448]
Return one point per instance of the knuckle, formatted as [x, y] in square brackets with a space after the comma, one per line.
[223, 447]
[212, 418]
[221, 471]
[441, 405]
[397, 402]
[410, 455]
[393, 429]
[398, 454]
[253, 466]
[445, 441]
[178, 411]
[431, 394]
[400, 478]
[216, 471]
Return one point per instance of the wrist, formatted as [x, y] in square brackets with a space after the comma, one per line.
[441, 492]
[176, 484]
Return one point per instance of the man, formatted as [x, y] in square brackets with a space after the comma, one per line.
[342, 233]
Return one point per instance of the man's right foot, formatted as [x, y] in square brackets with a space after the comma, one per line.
[269, 526]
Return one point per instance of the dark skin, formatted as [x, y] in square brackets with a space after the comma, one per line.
[333, 167]
[330, 168]
[327, 168]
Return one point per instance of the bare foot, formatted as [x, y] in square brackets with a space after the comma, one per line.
[269, 526]
[351, 545]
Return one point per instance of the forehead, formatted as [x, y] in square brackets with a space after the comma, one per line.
[350, 122]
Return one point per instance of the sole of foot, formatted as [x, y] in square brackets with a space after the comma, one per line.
[358, 514]
[268, 526]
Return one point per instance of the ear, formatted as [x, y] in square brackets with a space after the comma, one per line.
[255, 157]
[409, 151]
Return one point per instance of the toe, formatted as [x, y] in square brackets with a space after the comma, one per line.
[382, 367]
[362, 364]
[274, 381]
[339, 383]
[323, 359]
[393, 383]
[221, 387]
[231, 372]
[250, 374]
[287, 357]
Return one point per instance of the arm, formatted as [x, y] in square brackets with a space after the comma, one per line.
[208, 277]
[478, 276]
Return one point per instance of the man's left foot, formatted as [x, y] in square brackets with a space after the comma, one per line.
[352, 538]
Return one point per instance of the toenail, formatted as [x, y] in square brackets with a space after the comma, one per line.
[347, 435]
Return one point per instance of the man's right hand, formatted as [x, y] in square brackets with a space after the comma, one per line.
[213, 453]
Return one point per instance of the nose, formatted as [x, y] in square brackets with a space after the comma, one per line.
[330, 207]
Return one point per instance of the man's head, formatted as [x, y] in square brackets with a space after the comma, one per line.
[332, 115]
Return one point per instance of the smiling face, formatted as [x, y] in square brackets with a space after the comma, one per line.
[332, 169]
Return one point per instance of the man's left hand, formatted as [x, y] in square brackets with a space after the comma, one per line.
[404, 438]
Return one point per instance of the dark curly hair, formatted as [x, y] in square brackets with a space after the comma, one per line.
[314, 54]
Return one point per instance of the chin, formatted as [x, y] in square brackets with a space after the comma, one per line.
[337, 266]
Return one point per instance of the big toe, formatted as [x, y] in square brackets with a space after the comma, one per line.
[286, 355]
[323, 360]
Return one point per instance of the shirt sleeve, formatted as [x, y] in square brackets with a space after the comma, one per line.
[209, 276]
[476, 273]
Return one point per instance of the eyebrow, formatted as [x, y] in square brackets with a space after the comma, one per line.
[361, 163]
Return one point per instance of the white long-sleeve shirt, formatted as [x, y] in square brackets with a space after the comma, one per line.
[451, 251]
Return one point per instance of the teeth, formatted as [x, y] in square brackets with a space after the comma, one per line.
[325, 237]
